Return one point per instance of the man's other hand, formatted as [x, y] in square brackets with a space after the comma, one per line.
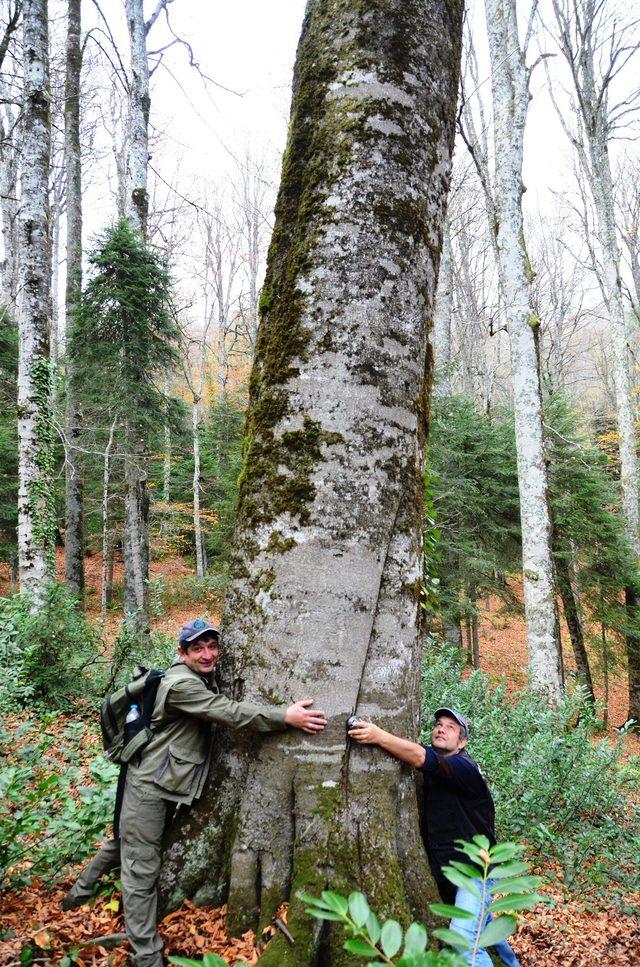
[366, 733]
[300, 716]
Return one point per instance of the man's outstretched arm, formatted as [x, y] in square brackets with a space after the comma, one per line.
[192, 698]
[366, 733]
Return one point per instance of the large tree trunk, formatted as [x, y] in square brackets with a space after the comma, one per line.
[74, 538]
[510, 87]
[36, 519]
[324, 597]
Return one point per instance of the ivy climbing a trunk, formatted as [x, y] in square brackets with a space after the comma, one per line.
[327, 573]
[36, 515]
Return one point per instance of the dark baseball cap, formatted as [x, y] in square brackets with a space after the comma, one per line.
[457, 716]
[195, 629]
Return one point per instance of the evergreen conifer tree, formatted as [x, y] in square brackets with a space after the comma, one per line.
[123, 343]
[474, 497]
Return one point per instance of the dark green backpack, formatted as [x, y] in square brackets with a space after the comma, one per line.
[122, 741]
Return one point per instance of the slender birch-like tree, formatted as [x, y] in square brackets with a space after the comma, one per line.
[74, 535]
[195, 376]
[510, 77]
[136, 504]
[443, 318]
[137, 162]
[327, 573]
[36, 520]
[9, 155]
[443, 386]
[597, 47]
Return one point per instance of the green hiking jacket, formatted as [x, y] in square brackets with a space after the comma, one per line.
[176, 762]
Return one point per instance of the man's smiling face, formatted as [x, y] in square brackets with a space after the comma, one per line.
[203, 654]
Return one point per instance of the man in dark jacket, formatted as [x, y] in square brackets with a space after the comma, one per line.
[172, 771]
[457, 805]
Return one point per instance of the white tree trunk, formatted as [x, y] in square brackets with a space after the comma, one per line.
[166, 462]
[9, 212]
[602, 188]
[106, 476]
[136, 532]
[138, 121]
[197, 483]
[136, 560]
[36, 521]
[442, 318]
[595, 52]
[54, 339]
[510, 87]
[74, 535]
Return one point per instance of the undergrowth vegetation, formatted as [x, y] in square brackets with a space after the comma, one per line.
[45, 652]
[56, 798]
[555, 781]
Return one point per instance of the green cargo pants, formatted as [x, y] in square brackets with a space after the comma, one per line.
[138, 852]
[142, 825]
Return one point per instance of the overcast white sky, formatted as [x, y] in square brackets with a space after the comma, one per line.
[249, 46]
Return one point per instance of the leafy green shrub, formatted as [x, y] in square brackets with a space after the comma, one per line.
[44, 650]
[50, 816]
[553, 783]
[156, 651]
[369, 938]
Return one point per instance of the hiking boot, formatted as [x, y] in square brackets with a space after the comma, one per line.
[73, 900]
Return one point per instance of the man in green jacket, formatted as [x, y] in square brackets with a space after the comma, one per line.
[173, 770]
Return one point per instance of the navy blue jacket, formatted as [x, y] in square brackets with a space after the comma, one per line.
[457, 805]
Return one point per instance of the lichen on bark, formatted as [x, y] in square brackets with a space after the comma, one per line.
[331, 492]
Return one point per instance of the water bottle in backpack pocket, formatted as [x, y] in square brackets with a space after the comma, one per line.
[125, 716]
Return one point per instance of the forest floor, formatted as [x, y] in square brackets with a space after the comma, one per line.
[580, 932]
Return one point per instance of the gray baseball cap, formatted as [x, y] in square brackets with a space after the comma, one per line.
[457, 716]
[195, 629]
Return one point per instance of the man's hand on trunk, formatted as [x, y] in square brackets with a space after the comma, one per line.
[301, 716]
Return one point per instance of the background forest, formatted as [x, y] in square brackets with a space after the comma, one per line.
[139, 168]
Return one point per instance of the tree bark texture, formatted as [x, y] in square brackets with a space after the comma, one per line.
[326, 578]
[137, 205]
[510, 88]
[36, 520]
[74, 537]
